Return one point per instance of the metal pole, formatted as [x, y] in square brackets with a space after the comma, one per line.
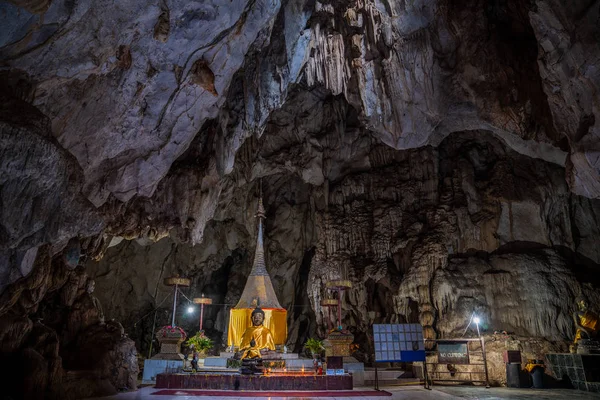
[376, 377]
[174, 306]
[152, 337]
[339, 308]
[328, 319]
[201, 314]
[487, 380]
[426, 383]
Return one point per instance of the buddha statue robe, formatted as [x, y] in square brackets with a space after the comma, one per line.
[588, 320]
[262, 337]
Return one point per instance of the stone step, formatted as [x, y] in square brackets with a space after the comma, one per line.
[215, 362]
[395, 382]
[384, 375]
[154, 367]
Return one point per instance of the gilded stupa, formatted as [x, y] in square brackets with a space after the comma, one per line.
[258, 292]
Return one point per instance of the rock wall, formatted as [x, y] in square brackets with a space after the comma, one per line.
[55, 338]
[430, 235]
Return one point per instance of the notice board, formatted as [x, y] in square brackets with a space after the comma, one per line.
[453, 352]
[398, 342]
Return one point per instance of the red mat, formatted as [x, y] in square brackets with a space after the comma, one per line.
[240, 393]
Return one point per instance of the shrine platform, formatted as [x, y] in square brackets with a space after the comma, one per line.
[294, 362]
[271, 382]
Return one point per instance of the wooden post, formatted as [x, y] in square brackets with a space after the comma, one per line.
[487, 380]
[174, 306]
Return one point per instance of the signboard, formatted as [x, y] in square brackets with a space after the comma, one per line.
[335, 365]
[454, 352]
[335, 362]
[398, 342]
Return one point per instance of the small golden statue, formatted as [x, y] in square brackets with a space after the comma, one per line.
[586, 323]
[257, 339]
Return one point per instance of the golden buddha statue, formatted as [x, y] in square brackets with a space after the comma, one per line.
[257, 339]
[586, 323]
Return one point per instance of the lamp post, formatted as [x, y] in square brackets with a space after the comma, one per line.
[170, 339]
[176, 281]
[339, 286]
[328, 304]
[202, 301]
[477, 320]
[338, 340]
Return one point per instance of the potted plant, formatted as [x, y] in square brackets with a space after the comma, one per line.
[201, 343]
[314, 346]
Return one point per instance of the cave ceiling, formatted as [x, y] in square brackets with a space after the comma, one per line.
[123, 91]
[141, 120]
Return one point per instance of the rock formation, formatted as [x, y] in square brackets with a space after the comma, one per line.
[427, 235]
[442, 156]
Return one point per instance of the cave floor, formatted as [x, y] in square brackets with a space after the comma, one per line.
[412, 392]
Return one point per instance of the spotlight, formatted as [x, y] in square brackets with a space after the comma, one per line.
[476, 320]
[190, 310]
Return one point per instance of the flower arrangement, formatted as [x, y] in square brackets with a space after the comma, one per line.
[200, 341]
[171, 331]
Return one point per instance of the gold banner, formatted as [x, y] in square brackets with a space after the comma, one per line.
[239, 320]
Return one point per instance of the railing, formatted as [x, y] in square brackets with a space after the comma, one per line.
[474, 372]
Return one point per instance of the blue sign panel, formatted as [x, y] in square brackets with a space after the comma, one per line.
[398, 342]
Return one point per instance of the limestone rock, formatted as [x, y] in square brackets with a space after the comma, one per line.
[105, 348]
[40, 187]
[427, 236]
[68, 352]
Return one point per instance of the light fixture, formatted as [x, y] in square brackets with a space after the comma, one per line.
[190, 310]
[477, 321]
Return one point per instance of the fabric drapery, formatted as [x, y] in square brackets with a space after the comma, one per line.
[588, 320]
[239, 320]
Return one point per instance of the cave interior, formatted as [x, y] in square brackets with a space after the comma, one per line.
[443, 156]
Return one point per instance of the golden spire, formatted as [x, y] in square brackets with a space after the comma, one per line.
[259, 289]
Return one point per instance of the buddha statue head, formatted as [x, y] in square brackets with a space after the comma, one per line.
[582, 304]
[257, 316]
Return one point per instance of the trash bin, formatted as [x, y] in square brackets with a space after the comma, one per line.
[536, 370]
[512, 359]
[513, 375]
[537, 376]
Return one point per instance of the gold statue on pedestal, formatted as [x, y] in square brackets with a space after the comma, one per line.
[586, 322]
[257, 339]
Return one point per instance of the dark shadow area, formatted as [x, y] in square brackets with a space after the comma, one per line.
[584, 269]
[303, 315]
